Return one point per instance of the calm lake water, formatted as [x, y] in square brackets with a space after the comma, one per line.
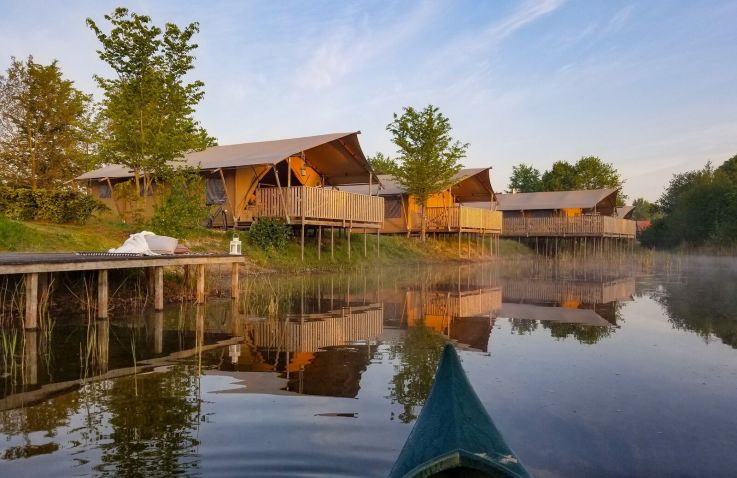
[612, 373]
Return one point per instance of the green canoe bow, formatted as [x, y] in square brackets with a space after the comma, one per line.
[454, 435]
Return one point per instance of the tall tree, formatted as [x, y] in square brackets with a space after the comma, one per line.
[382, 164]
[47, 127]
[148, 105]
[593, 173]
[525, 179]
[560, 177]
[428, 157]
[644, 209]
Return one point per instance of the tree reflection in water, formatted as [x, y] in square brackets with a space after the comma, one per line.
[418, 353]
[704, 303]
[152, 432]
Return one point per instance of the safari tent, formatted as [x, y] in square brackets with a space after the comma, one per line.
[295, 179]
[447, 211]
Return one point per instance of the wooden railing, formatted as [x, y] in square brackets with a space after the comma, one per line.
[597, 226]
[319, 204]
[455, 218]
[526, 290]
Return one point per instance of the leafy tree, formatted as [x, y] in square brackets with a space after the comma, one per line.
[181, 208]
[147, 106]
[729, 168]
[560, 177]
[47, 127]
[593, 173]
[428, 157]
[644, 209]
[382, 164]
[525, 179]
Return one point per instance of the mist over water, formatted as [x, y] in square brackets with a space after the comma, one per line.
[587, 371]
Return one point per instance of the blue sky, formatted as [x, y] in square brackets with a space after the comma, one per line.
[649, 86]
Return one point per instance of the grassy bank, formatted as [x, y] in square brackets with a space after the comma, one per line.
[100, 236]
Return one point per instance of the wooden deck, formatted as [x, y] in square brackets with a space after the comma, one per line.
[580, 226]
[320, 207]
[461, 219]
[35, 266]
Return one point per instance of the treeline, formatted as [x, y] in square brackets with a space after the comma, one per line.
[51, 132]
[589, 172]
[698, 208]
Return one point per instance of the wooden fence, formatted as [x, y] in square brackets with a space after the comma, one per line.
[320, 206]
[595, 226]
[461, 218]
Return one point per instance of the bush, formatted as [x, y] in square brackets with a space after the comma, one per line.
[48, 205]
[270, 234]
[181, 207]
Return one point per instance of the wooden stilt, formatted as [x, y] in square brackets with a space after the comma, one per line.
[332, 242]
[378, 242]
[365, 248]
[158, 288]
[158, 331]
[31, 299]
[200, 283]
[30, 357]
[349, 244]
[302, 242]
[459, 244]
[319, 242]
[234, 276]
[102, 294]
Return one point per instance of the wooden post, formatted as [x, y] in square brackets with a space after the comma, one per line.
[31, 318]
[365, 250]
[459, 243]
[102, 294]
[30, 357]
[234, 271]
[378, 242]
[319, 242]
[158, 288]
[200, 283]
[302, 240]
[332, 242]
[349, 243]
[158, 331]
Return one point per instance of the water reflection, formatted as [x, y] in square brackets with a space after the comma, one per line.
[299, 361]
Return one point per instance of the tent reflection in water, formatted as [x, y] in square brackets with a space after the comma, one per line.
[454, 435]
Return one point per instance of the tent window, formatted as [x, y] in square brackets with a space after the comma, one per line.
[392, 207]
[215, 191]
[104, 190]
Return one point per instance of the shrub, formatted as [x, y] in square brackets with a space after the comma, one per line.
[67, 206]
[270, 233]
[181, 207]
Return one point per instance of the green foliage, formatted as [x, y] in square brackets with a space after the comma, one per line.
[428, 157]
[700, 208]
[644, 209]
[181, 207]
[65, 206]
[525, 179]
[382, 164]
[147, 106]
[48, 128]
[133, 208]
[270, 234]
[560, 177]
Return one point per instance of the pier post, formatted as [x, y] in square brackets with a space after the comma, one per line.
[30, 357]
[234, 271]
[31, 299]
[158, 331]
[200, 283]
[102, 294]
[158, 288]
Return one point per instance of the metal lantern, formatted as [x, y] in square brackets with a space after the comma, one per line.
[235, 246]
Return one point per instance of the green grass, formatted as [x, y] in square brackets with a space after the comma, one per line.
[99, 235]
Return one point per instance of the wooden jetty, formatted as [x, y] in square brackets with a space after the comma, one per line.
[35, 267]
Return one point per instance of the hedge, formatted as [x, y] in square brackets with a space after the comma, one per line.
[48, 205]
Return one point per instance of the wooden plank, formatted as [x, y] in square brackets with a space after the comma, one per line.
[38, 264]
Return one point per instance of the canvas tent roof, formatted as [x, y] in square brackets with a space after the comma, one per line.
[337, 156]
[471, 184]
[625, 211]
[584, 199]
